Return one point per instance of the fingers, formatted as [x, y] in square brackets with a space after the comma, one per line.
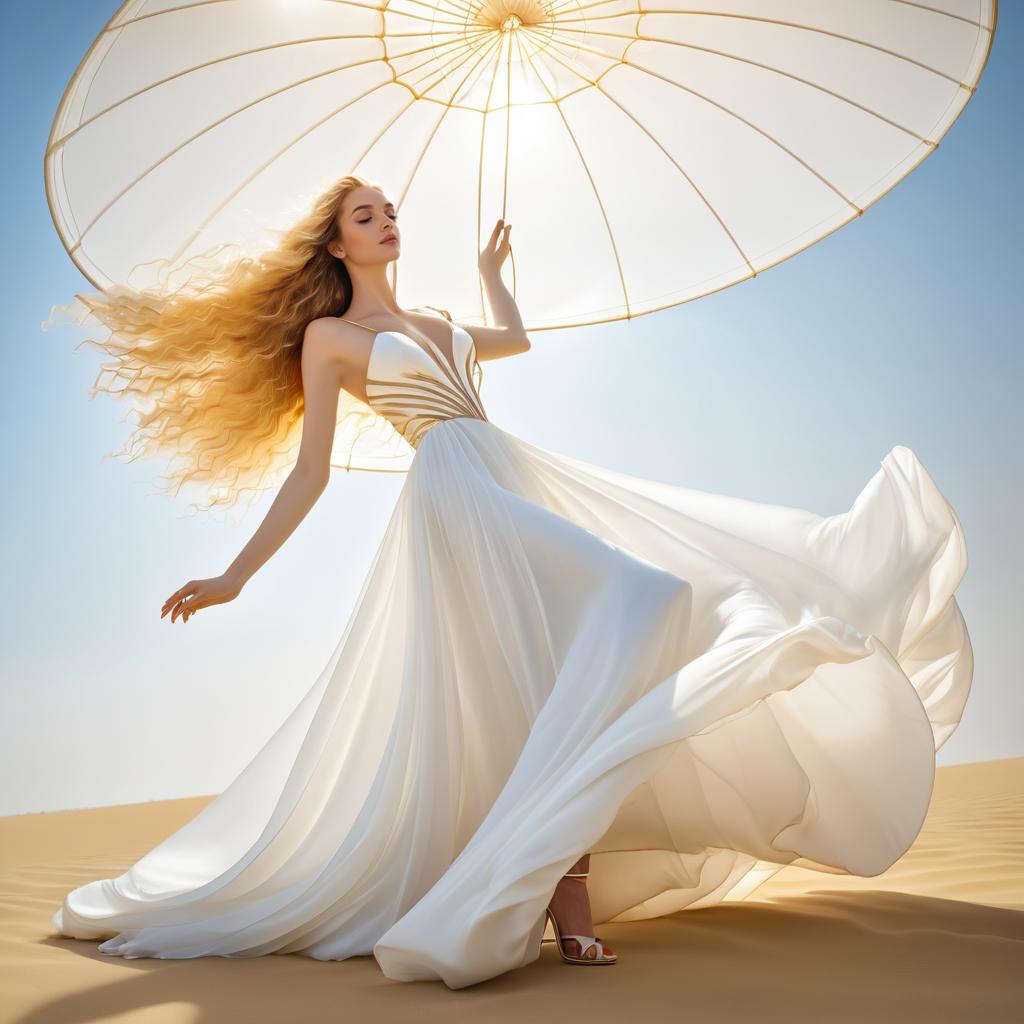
[188, 608]
[184, 602]
[498, 227]
[499, 224]
[177, 597]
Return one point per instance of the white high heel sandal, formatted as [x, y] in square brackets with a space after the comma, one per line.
[585, 941]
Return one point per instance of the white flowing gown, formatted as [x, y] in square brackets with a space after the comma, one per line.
[548, 658]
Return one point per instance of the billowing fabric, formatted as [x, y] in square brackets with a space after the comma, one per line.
[549, 658]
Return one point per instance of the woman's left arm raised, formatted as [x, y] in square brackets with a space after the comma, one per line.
[508, 337]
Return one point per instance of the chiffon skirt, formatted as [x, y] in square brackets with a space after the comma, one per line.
[549, 658]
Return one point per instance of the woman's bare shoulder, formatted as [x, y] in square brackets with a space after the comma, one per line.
[330, 337]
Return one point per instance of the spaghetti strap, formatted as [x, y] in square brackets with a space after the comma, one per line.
[357, 323]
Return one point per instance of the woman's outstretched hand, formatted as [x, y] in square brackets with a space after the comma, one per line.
[198, 594]
[492, 256]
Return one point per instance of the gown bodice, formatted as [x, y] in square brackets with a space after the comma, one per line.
[415, 386]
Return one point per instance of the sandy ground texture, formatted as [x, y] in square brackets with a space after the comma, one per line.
[938, 937]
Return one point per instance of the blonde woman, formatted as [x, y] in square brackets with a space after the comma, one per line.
[565, 695]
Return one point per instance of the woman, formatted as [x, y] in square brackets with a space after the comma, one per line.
[552, 669]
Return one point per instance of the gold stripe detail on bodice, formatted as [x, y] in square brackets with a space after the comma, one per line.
[413, 398]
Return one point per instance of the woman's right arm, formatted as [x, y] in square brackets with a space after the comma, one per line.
[321, 376]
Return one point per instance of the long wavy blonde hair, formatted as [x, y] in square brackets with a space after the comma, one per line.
[216, 364]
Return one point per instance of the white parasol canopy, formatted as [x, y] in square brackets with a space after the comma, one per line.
[647, 152]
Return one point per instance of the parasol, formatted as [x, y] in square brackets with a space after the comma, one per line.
[648, 152]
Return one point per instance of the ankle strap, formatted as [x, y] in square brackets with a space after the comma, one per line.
[578, 874]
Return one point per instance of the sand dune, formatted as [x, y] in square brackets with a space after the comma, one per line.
[938, 937]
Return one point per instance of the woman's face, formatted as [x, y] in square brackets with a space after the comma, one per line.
[368, 229]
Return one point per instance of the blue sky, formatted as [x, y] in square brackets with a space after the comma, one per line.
[904, 327]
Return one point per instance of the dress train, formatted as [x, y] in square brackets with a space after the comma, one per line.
[548, 658]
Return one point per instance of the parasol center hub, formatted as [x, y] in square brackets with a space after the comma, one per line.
[510, 15]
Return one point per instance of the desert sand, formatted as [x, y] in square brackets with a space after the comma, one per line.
[938, 937]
